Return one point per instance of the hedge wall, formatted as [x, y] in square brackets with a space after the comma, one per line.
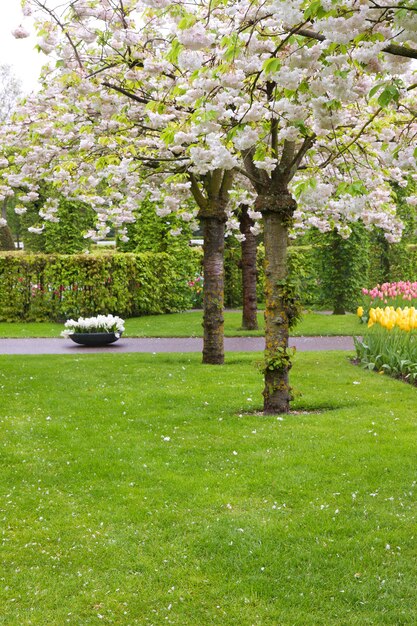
[57, 287]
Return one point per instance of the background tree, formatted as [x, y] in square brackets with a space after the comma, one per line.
[249, 247]
[343, 267]
[394, 261]
[63, 236]
[10, 92]
[151, 233]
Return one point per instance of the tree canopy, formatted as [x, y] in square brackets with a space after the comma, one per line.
[252, 88]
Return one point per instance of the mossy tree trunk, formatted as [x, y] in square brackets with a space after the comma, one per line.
[211, 193]
[6, 237]
[276, 212]
[276, 204]
[249, 275]
[213, 302]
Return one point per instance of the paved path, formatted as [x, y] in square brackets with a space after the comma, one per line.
[125, 344]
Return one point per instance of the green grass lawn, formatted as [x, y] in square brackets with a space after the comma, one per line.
[189, 324]
[143, 489]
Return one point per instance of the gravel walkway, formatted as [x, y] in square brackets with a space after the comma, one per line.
[232, 344]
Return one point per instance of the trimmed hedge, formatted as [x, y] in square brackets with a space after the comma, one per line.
[57, 287]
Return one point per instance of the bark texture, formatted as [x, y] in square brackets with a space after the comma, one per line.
[6, 239]
[213, 303]
[249, 275]
[277, 211]
[211, 194]
[277, 206]
[277, 393]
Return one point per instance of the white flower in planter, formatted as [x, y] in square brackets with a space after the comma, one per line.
[98, 324]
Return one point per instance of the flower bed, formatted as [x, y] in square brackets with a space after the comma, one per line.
[390, 343]
[395, 294]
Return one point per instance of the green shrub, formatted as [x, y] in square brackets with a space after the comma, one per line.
[232, 273]
[63, 237]
[56, 287]
[301, 268]
[342, 267]
[302, 272]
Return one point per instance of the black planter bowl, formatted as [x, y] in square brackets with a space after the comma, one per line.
[94, 339]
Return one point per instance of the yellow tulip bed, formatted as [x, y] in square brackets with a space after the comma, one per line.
[388, 295]
[389, 318]
[389, 344]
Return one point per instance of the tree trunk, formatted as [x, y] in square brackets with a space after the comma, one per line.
[6, 237]
[277, 210]
[211, 194]
[249, 274]
[277, 392]
[213, 264]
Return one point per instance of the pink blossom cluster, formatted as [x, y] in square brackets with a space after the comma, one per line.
[387, 292]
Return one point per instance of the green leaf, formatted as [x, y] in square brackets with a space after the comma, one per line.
[375, 89]
[271, 65]
[333, 105]
[173, 54]
[168, 135]
[390, 94]
[187, 22]
[314, 10]
[260, 153]
[303, 87]
[302, 127]
[233, 45]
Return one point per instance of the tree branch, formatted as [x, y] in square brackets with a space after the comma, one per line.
[62, 27]
[287, 156]
[196, 191]
[259, 178]
[226, 185]
[307, 143]
[354, 139]
[391, 48]
[125, 92]
[216, 180]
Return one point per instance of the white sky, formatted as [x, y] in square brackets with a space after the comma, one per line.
[19, 53]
